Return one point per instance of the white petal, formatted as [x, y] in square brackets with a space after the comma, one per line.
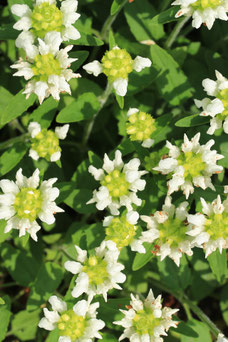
[73, 266]
[34, 128]
[141, 63]
[120, 86]
[94, 68]
[57, 304]
[61, 132]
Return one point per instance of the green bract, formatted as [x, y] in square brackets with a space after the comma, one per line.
[120, 231]
[217, 226]
[71, 325]
[96, 268]
[28, 203]
[116, 183]
[144, 322]
[46, 143]
[45, 66]
[203, 4]
[140, 126]
[193, 164]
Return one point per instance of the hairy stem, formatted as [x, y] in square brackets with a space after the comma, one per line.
[12, 141]
[171, 39]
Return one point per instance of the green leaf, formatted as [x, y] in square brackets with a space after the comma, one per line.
[17, 106]
[185, 329]
[10, 158]
[47, 281]
[3, 236]
[53, 336]
[2, 301]
[173, 276]
[218, 265]
[87, 40]
[25, 324]
[5, 98]
[21, 266]
[224, 303]
[84, 108]
[192, 120]
[106, 337]
[110, 311]
[7, 32]
[45, 113]
[116, 5]
[120, 101]
[202, 331]
[171, 81]
[141, 260]
[81, 57]
[111, 40]
[139, 15]
[4, 316]
[76, 198]
[165, 17]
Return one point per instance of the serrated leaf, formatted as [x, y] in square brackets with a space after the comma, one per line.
[45, 113]
[218, 264]
[47, 281]
[139, 15]
[171, 81]
[192, 120]
[10, 158]
[83, 108]
[17, 106]
[4, 316]
[142, 259]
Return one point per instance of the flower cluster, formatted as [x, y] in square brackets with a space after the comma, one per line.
[44, 27]
[98, 273]
[217, 108]
[203, 11]
[168, 229]
[140, 127]
[146, 321]
[192, 165]
[119, 184]
[117, 64]
[45, 143]
[26, 200]
[78, 324]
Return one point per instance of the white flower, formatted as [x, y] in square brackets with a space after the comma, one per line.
[119, 184]
[122, 230]
[117, 64]
[203, 12]
[45, 143]
[46, 68]
[75, 325]
[140, 127]
[146, 321]
[168, 229]
[97, 274]
[222, 338]
[218, 107]
[25, 201]
[192, 165]
[210, 229]
[43, 18]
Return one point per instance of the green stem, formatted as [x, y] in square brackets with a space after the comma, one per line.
[8, 285]
[109, 21]
[186, 302]
[171, 39]
[102, 99]
[12, 141]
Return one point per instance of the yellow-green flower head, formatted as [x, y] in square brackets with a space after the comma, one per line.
[47, 68]
[43, 18]
[203, 11]
[98, 273]
[140, 127]
[216, 108]
[168, 230]
[78, 324]
[210, 229]
[119, 184]
[191, 165]
[123, 230]
[146, 320]
[26, 200]
[117, 64]
[45, 143]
